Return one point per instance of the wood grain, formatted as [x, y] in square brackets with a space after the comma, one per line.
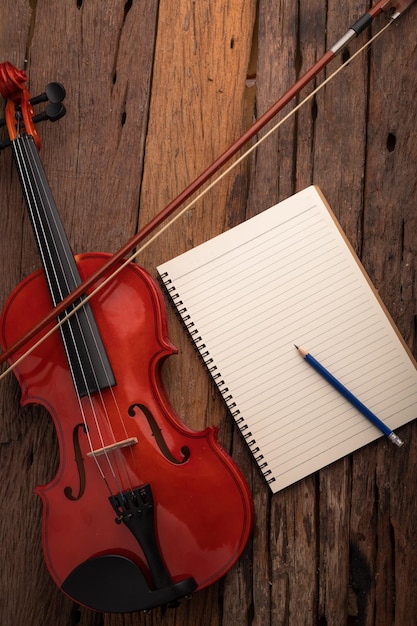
[155, 91]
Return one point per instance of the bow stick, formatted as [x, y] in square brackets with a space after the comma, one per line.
[394, 7]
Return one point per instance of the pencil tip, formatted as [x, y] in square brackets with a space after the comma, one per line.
[295, 346]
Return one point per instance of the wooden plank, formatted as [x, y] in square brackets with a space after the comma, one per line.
[155, 92]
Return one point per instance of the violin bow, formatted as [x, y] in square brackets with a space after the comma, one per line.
[394, 8]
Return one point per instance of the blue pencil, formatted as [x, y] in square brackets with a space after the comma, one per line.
[350, 397]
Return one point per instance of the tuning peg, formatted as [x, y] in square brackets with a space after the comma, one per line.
[53, 112]
[54, 92]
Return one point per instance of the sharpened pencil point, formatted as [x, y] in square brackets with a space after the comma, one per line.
[295, 346]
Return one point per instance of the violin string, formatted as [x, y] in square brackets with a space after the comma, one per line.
[22, 164]
[92, 399]
[93, 337]
[24, 161]
[91, 402]
[135, 254]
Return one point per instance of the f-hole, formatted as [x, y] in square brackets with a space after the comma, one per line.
[68, 491]
[156, 432]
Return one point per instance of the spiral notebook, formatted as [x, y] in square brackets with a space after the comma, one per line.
[289, 276]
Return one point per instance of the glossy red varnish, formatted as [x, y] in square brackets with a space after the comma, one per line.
[203, 506]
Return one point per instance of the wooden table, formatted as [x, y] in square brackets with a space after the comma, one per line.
[155, 91]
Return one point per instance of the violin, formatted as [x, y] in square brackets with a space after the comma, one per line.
[143, 510]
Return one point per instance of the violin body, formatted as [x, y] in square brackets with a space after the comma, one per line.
[143, 510]
[199, 502]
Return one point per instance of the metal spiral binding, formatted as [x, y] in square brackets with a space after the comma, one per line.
[201, 349]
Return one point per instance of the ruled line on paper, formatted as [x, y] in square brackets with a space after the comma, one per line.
[288, 276]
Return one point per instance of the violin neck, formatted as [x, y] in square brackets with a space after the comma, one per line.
[84, 348]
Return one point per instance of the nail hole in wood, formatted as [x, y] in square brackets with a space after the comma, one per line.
[314, 110]
[391, 141]
[128, 6]
[345, 55]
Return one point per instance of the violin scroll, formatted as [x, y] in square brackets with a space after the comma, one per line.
[19, 114]
[12, 81]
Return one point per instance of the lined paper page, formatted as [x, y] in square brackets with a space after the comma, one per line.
[285, 277]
